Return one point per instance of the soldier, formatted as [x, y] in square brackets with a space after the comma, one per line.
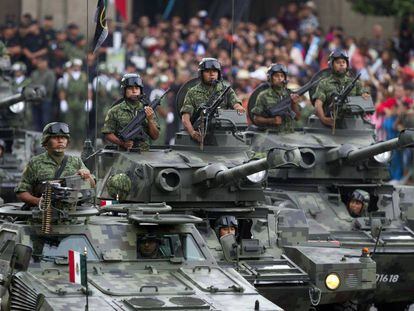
[121, 114]
[210, 74]
[226, 225]
[358, 202]
[277, 77]
[337, 80]
[51, 164]
[73, 95]
[149, 247]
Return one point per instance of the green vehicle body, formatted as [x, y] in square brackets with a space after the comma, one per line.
[35, 273]
[316, 197]
[217, 181]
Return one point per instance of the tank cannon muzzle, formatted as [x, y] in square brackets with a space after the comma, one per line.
[349, 153]
[218, 174]
[28, 94]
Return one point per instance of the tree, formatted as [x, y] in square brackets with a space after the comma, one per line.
[383, 7]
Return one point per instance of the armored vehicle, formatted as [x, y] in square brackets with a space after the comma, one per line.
[340, 161]
[221, 178]
[144, 258]
[19, 145]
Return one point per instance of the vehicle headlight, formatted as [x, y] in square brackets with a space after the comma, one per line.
[17, 108]
[332, 281]
[383, 157]
[257, 177]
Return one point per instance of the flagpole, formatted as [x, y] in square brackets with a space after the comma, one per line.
[85, 252]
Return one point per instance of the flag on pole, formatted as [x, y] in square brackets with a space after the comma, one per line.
[101, 31]
[77, 268]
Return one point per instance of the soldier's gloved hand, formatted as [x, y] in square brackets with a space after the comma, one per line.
[278, 120]
[196, 135]
[64, 106]
[84, 173]
[149, 112]
[240, 109]
[128, 144]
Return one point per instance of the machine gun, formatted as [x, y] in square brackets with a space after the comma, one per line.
[202, 117]
[284, 108]
[133, 130]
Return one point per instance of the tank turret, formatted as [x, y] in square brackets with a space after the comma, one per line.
[348, 153]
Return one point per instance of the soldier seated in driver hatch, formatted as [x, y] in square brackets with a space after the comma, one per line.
[149, 247]
[358, 203]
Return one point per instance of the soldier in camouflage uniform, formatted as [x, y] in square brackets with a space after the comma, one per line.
[277, 77]
[121, 114]
[210, 75]
[45, 166]
[337, 80]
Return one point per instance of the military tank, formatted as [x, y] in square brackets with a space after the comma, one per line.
[19, 144]
[340, 161]
[142, 258]
[220, 178]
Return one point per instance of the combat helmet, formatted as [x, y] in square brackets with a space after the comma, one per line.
[362, 196]
[55, 129]
[273, 68]
[131, 79]
[335, 54]
[225, 221]
[209, 63]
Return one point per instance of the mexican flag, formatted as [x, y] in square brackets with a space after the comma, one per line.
[77, 268]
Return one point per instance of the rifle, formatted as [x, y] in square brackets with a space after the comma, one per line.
[134, 130]
[284, 106]
[202, 117]
[338, 101]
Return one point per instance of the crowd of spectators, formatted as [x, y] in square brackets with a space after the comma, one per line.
[166, 53]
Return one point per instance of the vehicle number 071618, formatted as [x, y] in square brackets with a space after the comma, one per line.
[387, 278]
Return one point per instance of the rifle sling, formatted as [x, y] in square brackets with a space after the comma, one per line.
[61, 167]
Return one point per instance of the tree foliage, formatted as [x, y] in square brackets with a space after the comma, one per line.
[383, 7]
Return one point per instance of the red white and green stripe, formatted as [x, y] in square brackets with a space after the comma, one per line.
[77, 268]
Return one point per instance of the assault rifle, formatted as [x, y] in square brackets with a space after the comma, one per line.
[202, 117]
[134, 129]
[339, 100]
[284, 106]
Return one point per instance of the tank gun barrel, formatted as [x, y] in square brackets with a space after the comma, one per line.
[28, 94]
[349, 154]
[218, 174]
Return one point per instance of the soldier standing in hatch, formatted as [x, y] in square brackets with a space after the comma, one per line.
[55, 140]
[121, 114]
[277, 77]
[210, 77]
[337, 80]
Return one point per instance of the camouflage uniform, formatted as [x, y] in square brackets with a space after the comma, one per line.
[334, 83]
[76, 97]
[120, 115]
[269, 98]
[42, 168]
[200, 94]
